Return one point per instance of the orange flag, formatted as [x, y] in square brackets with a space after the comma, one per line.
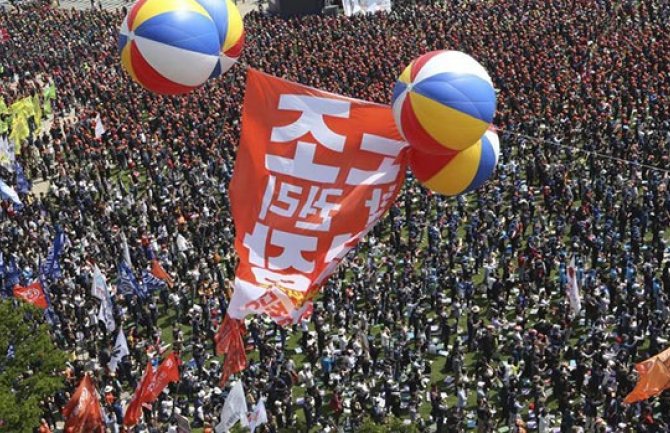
[236, 359]
[134, 410]
[313, 174]
[158, 272]
[654, 377]
[82, 413]
[167, 372]
[229, 341]
[33, 294]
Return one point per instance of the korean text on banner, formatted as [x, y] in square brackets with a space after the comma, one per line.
[314, 172]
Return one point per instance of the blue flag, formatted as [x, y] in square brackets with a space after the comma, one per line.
[127, 283]
[51, 268]
[23, 185]
[2, 265]
[8, 193]
[13, 275]
[49, 312]
[150, 253]
[150, 282]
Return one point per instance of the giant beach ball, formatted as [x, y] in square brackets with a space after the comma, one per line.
[458, 173]
[229, 25]
[443, 102]
[173, 46]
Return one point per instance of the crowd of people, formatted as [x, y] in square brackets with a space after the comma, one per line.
[452, 313]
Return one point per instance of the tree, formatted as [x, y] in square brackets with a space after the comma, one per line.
[30, 366]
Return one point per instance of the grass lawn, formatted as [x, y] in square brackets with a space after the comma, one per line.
[438, 362]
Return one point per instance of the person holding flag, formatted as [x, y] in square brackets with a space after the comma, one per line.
[158, 272]
[7, 155]
[153, 383]
[8, 193]
[127, 284]
[573, 289]
[120, 350]
[37, 113]
[234, 409]
[150, 282]
[100, 291]
[83, 413]
[23, 185]
[134, 409]
[20, 130]
[33, 294]
[258, 416]
[51, 268]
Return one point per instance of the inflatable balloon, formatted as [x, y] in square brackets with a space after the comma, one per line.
[460, 173]
[173, 46]
[443, 102]
[229, 24]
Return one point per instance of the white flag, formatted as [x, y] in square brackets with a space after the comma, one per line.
[573, 289]
[106, 314]
[120, 350]
[100, 290]
[99, 287]
[234, 409]
[259, 416]
[11, 154]
[7, 192]
[99, 127]
[126, 251]
[7, 156]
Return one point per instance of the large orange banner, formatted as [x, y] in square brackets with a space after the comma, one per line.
[314, 172]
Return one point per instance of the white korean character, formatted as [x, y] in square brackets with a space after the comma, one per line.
[286, 190]
[302, 165]
[311, 120]
[255, 243]
[321, 206]
[267, 197]
[378, 202]
[293, 246]
[388, 170]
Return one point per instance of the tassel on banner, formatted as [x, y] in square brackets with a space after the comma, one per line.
[229, 341]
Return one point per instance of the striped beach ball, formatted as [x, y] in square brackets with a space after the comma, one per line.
[173, 46]
[443, 102]
[229, 25]
[460, 173]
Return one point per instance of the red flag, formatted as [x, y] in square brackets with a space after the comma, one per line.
[167, 372]
[158, 272]
[82, 413]
[228, 330]
[229, 341]
[314, 173]
[4, 35]
[654, 377]
[134, 409]
[236, 360]
[33, 294]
